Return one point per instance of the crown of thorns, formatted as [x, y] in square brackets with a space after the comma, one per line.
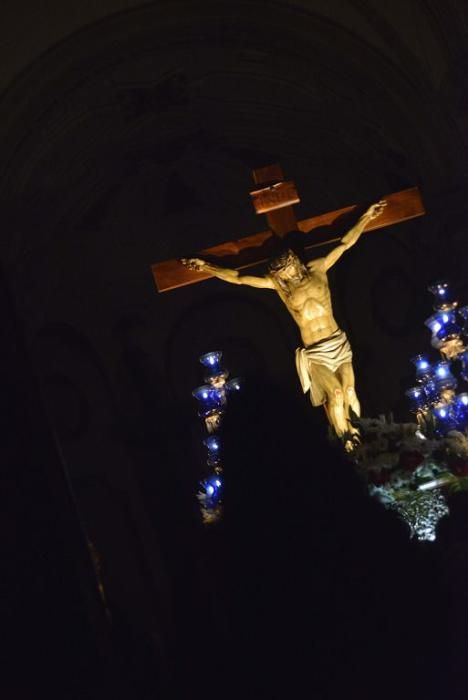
[283, 260]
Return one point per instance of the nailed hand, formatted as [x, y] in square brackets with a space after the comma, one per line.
[376, 210]
[194, 264]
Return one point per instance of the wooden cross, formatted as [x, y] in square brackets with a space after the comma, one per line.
[276, 197]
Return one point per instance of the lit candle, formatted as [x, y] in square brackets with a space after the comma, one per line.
[437, 321]
[442, 294]
[441, 412]
[434, 323]
[213, 487]
[212, 442]
[444, 379]
[445, 418]
[234, 384]
[210, 399]
[423, 367]
[211, 360]
[461, 409]
[463, 357]
[417, 396]
[449, 327]
[430, 390]
[464, 314]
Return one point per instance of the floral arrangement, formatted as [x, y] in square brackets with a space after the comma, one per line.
[410, 473]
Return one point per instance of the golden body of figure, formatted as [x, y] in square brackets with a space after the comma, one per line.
[305, 292]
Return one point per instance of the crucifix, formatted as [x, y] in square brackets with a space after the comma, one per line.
[324, 362]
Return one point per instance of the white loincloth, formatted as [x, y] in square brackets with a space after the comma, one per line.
[332, 352]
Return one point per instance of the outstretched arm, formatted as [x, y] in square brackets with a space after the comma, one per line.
[226, 274]
[353, 234]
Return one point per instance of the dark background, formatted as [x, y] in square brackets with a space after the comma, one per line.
[128, 133]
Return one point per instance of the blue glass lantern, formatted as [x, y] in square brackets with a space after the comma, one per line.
[441, 412]
[214, 461]
[463, 357]
[430, 391]
[461, 410]
[213, 443]
[442, 294]
[210, 399]
[434, 323]
[443, 377]
[464, 314]
[445, 418]
[449, 327]
[213, 487]
[417, 397]
[423, 367]
[440, 321]
[234, 384]
[211, 361]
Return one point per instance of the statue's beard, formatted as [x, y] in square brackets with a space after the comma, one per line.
[295, 280]
[289, 284]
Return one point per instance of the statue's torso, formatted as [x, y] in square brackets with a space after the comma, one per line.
[309, 303]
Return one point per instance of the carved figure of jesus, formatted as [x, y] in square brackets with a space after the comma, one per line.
[324, 362]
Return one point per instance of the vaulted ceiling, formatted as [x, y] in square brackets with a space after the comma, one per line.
[166, 106]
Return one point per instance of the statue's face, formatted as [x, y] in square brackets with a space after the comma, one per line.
[292, 270]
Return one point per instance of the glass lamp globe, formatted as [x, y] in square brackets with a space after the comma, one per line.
[234, 384]
[211, 361]
[449, 328]
[445, 418]
[423, 367]
[434, 323]
[463, 357]
[464, 314]
[443, 295]
[212, 443]
[213, 486]
[417, 397]
[443, 377]
[209, 399]
[461, 409]
[430, 390]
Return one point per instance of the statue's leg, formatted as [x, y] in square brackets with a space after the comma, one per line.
[334, 397]
[345, 375]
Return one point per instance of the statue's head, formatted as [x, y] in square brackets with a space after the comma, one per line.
[287, 267]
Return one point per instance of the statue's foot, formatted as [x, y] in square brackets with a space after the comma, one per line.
[351, 440]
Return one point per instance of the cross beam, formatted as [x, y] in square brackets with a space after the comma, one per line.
[276, 200]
